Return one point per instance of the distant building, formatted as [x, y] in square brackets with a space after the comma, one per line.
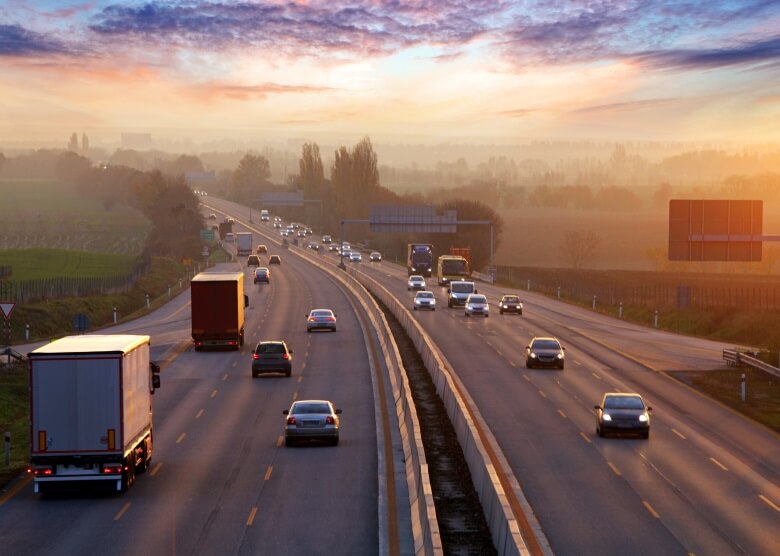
[137, 141]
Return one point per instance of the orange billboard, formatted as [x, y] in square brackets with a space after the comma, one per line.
[715, 230]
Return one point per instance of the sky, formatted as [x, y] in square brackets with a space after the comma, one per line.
[395, 70]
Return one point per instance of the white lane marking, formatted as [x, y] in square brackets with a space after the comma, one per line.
[181, 437]
[650, 509]
[678, 433]
[597, 377]
[585, 436]
[198, 414]
[769, 502]
[719, 464]
[154, 471]
[121, 512]
[614, 469]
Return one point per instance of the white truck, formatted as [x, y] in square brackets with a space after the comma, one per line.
[265, 216]
[243, 243]
[91, 410]
[458, 292]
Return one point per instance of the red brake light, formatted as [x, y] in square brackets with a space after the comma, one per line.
[286, 356]
[330, 420]
[312, 319]
[291, 420]
[112, 468]
[255, 356]
[42, 471]
[331, 319]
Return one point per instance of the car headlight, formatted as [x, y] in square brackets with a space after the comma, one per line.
[533, 356]
[560, 356]
[643, 418]
[606, 417]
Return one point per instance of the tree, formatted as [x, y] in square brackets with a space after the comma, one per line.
[71, 166]
[73, 144]
[183, 164]
[312, 176]
[579, 247]
[250, 176]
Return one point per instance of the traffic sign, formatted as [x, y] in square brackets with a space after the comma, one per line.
[81, 322]
[207, 235]
[7, 307]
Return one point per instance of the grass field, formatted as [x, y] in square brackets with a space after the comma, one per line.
[49, 214]
[14, 418]
[37, 263]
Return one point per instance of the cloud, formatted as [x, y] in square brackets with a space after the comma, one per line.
[260, 91]
[16, 41]
[314, 28]
[625, 106]
[759, 51]
[519, 112]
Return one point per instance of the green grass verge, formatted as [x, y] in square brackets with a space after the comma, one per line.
[35, 264]
[14, 418]
[762, 392]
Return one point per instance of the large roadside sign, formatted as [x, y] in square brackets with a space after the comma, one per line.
[281, 199]
[715, 230]
[412, 219]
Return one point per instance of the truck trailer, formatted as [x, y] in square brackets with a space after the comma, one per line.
[91, 410]
[218, 303]
[243, 243]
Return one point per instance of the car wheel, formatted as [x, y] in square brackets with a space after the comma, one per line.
[335, 441]
[415, 308]
[466, 314]
[433, 309]
[254, 374]
[520, 313]
[560, 366]
[646, 435]
[501, 312]
[599, 432]
[333, 329]
[288, 441]
[528, 364]
[288, 373]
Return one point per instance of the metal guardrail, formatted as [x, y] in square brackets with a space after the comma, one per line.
[736, 358]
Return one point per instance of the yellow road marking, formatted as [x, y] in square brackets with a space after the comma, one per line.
[268, 473]
[251, 517]
[650, 509]
[154, 471]
[214, 393]
[585, 436]
[181, 437]
[719, 464]
[678, 433]
[279, 441]
[768, 501]
[198, 414]
[121, 512]
[597, 377]
[614, 468]
[561, 413]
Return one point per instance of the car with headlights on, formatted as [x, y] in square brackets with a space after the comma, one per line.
[415, 282]
[544, 352]
[312, 420]
[355, 257]
[424, 300]
[333, 248]
[262, 274]
[321, 319]
[375, 257]
[272, 357]
[510, 304]
[327, 240]
[477, 304]
[623, 413]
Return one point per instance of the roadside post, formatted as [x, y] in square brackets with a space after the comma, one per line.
[655, 319]
[7, 448]
[594, 303]
[743, 381]
[620, 310]
[27, 332]
[114, 314]
[559, 292]
[148, 305]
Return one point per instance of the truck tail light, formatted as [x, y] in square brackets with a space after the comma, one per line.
[330, 420]
[291, 420]
[42, 471]
[112, 468]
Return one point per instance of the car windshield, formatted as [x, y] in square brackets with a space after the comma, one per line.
[261, 271]
[478, 299]
[270, 348]
[623, 402]
[310, 408]
[545, 344]
[462, 288]
[321, 313]
[425, 295]
[510, 299]
[416, 279]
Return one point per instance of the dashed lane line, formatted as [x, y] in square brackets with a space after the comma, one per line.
[650, 509]
[199, 414]
[719, 464]
[181, 437]
[121, 512]
[251, 517]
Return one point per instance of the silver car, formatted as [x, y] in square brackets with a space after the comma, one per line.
[311, 420]
[424, 300]
[321, 319]
[355, 257]
[375, 257]
[416, 282]
[477, 304]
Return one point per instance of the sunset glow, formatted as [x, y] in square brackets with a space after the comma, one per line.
[667, 70]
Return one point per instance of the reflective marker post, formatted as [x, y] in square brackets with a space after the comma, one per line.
[743, 387]
[7, 448]
[620, 310]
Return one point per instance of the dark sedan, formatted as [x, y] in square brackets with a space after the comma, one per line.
[272, 357]
[544, 352]
[262, 274]
[623, 413]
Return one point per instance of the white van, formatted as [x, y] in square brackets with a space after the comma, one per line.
[264, 215]
[458, 292]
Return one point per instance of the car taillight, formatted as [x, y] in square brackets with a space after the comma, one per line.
[112, 468]
[255, 356]
[286, 356]
[331, 319]
[42, 471]
[312, 319]
[330, 420]
[291, 420]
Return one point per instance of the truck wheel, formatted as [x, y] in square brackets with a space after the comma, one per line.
[128, 476]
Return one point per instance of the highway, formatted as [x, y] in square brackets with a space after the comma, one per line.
[705, 483]
[221, 481]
